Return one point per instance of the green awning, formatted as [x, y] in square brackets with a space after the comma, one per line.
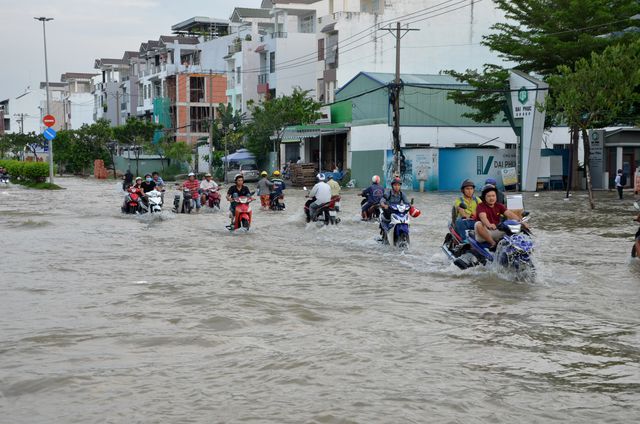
[297, 132]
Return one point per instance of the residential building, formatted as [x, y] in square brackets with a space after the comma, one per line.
[106, 89]
[78, 100]
[5, 120]
[58, 92]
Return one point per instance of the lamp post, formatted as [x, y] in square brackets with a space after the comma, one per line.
[44, 20]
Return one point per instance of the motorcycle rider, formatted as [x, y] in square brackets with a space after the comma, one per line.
[278, 185]
[157, 179]
[192, 184]
[465, 218]
[319, 195]
[264, 188]
[127, 179]
[148, 184]
[373, 194]
[235, 191]
[335, 187]
[488, 216]
[501, 196]
[392, 196]
[205, 186]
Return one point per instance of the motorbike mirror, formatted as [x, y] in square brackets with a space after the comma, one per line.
[636, 205]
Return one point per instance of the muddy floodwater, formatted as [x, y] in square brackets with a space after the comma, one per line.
[106, 318]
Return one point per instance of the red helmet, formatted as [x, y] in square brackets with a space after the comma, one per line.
[375, 179]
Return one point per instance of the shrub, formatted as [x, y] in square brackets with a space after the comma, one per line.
[32, 171]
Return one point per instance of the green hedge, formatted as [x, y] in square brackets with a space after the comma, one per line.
[31, 171]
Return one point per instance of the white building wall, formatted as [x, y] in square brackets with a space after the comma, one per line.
[81, 110]
[287, 78]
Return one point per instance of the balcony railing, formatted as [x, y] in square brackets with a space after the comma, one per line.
[231, 81]
[263, 79]
[235, 48]
[279, 34]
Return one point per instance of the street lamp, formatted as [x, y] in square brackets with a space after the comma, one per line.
[44, 20]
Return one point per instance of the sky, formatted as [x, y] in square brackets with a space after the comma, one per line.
[84, 30]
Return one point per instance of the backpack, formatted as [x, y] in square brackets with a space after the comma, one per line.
[623, 179]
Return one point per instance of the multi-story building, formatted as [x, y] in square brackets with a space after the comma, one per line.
[58, 92]
[106, 89]
[78, 101]
[5, 120]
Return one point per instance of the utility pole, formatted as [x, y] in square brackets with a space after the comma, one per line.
[44, 20]
[210, 121]
[21, 120]
[394, 93]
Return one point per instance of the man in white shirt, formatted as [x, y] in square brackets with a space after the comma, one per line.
[619, 185]
[206, 185]
[319, 195]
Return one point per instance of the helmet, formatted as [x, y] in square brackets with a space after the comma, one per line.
[207, 175]
[238, 176]
[138, 178]
[263, 174]
[467, 183]
[191, 174]
[276, 173]
[147, 175]
[321, 177]
[396, 180]
[486, 189]
[375, 179]
[491, 181]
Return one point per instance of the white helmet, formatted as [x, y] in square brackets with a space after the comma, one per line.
[321, 177]
[191, 174]
[375, 179]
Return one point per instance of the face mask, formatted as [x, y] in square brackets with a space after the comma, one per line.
[148, 180]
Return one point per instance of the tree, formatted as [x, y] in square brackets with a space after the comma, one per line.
[539, 36]
[272, 116]
[136, 133]
[597, 92]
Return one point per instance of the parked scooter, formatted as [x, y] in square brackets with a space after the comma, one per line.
[243, 214]
[183, 203]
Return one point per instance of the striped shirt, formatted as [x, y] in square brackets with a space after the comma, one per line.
[193, 186]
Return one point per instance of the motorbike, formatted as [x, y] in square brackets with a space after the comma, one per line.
[183, 203]
[634, 252]
[132, 202]
[4, 178]
[396, 230]
[371, 214]
[243, 213]
[154, 198]
[513, 252]
[213, 198]
[326, 213]
[336, 202]
[276, 201]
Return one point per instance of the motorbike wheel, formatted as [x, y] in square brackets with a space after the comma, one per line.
[403, 241]
[244, 224]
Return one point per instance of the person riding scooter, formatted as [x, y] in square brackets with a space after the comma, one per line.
[235, 191]
[207, 185]
[277, 191]
[372, 195]
[464, 213]
[489, 214]
[392, 196]
[318, 196]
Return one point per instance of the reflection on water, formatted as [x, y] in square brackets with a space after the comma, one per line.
[114, 318]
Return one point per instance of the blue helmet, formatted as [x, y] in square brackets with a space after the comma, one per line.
[491, 181]
[321, 177]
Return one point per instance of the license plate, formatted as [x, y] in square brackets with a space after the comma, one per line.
[332, 213]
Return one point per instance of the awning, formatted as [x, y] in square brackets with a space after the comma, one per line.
[261, 48]
[313, 130]
[329, 28]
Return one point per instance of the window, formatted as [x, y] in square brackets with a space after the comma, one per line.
[196, 89]
[199, 119]
[321, 49]
[306, 24]
[157, 90]
[239, 75]
[272, 62]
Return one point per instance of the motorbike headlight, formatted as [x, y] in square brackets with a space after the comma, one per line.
[514, 228]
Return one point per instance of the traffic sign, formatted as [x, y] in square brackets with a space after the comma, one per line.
[49, 133]
[49, 120]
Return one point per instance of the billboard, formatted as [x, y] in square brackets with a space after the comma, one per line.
[419, 169]
[456, 165]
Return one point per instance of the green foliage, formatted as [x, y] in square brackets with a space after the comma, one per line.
[346, 178]
[16, 143]
[31, 171]
[178, 151]
[272, 116]
[75, 150]
[539, 36]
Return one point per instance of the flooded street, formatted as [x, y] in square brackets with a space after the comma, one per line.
[117, 319]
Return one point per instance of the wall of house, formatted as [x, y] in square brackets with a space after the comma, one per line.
[288, 51]
[81, 112]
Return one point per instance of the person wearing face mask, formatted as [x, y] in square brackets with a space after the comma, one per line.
[148, 183]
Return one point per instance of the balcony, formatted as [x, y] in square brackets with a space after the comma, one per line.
[279, 34]
[231, 82]
[263, 79]
[235, 48]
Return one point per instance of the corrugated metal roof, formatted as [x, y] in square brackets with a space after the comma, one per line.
[421, 79]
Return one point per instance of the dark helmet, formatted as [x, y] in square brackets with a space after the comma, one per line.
[467, 183]
[486, 189]
[619, 171]
[396, 180]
